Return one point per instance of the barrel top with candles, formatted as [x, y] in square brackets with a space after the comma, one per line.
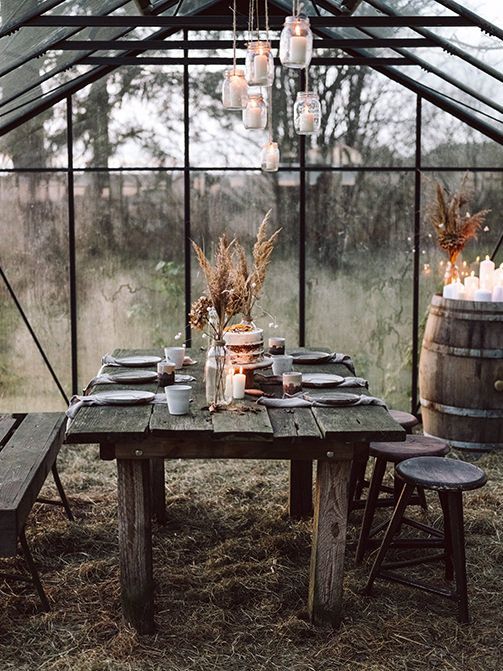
[461, 373]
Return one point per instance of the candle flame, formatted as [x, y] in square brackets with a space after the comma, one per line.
[297, 28]
[241, 370]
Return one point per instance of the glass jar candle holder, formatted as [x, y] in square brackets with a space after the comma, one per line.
[270, 157]
[255, 113]
[234, 89]
[296, 43]
[259, 64]
[307, 113]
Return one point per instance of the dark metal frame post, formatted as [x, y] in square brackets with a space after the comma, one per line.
[417, 253]
[302, 229]
[186, 189]
[72, 265]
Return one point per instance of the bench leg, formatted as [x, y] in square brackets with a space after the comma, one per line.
[329, 541]
[33, 571]
[135, 543]
[157, 488]
[61, 492]
[300, 503]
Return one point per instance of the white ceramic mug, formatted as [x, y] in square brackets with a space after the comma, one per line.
[283, 363]
[178, 397]
[176, 355]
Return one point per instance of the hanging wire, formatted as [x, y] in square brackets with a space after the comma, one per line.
[234, 29]
[257, 14]
[266, 12]
[251, 6]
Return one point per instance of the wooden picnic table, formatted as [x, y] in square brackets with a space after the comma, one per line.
[141, 437]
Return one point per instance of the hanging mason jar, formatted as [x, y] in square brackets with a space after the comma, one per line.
[255, 114]
[270, 157]
[218, 373]
[259, 64]
[296, 42]
[307, 113]
[234, 89]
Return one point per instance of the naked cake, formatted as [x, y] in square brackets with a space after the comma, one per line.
[245, 343]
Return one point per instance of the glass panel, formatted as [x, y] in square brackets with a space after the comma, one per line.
[34, 219]
[446, 141]
[359, 274]
[235, 203]
[38, 143]
[129, 262]
[132, 118]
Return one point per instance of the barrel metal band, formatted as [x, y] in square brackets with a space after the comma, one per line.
[467, 316]
[461, 412]
[463, 351]
[464, 445]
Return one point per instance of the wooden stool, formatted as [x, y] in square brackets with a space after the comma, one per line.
[357, 481]
[414, 446]
[450, 479]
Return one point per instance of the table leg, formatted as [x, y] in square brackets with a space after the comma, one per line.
[300, 503]
[157, 488]
[135, 543]
[329, 541]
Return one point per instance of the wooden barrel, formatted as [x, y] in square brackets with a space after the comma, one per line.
[461, 373]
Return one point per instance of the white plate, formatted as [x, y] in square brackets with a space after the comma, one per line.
[125, 397]
[138, 361]
[335, 398]
[310, 357]
[183, 379]
[129, 377]
[321, 380]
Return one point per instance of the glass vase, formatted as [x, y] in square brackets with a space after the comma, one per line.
[270, 157]
[255, 114]
[218, 372]
[234, 89]
[307, 113]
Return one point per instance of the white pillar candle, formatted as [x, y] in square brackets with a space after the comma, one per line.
[482, 295]
[498, 293]
[298, 49]
[306, 123]
[471, 285]
[449, 291]
[253, 117]
[260, 63]
[498, 275]
[459, 291]
[228, 385]
[486, 274]
[238, 89]
[238, 385]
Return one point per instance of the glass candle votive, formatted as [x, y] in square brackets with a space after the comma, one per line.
[270, 157]
[255, 114]
[234, 89]
[292, 383]
[307, 113]
[259, 64]
[166, 373]
[296, 42]
[276, 346]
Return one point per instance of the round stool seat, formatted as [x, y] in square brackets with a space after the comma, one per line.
[405, 419]
[414, 446]
[441, 474]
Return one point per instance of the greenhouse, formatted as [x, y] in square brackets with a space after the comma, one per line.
[251, 301]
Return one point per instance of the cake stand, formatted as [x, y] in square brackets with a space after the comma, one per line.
[249, 369]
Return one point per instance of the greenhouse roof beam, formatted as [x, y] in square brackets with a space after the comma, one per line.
[483, 24]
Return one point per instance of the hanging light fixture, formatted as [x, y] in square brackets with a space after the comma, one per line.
[234, 88]
[255, 113]
[270, 152]
[307, 112]
[296, 41]
[259, 66]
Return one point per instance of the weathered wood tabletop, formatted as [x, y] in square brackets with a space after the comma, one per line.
[141, 437]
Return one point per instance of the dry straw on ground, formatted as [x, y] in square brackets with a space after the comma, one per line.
[231, 572]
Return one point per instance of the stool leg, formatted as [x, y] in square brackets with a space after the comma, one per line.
[33, 570]
[458, 553]
[393, 526]
[370, 506]
[444, 502]
[422, 498]
[61, 492]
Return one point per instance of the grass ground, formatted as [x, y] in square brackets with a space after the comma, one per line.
[231, 572]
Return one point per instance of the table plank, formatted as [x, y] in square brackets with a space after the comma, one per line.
[7, 424]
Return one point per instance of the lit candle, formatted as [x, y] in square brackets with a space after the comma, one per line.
[298, 49]
[253, 117]
[238, 89]
[459, 291]
[260, 67]
[471, 285]
[498, 275]
[238, 385]
[486, 274]
[482, 295]
[306, 123]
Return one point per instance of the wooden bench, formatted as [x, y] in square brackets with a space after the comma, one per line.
[29, 446]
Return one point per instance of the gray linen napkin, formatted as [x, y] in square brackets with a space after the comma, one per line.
[77, 402]
[345, 359]
[349, 381]
[307, 401]
[108, 378]
[109, 360]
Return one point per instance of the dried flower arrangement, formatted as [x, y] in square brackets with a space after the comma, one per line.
[249, 283]
[453, 224]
